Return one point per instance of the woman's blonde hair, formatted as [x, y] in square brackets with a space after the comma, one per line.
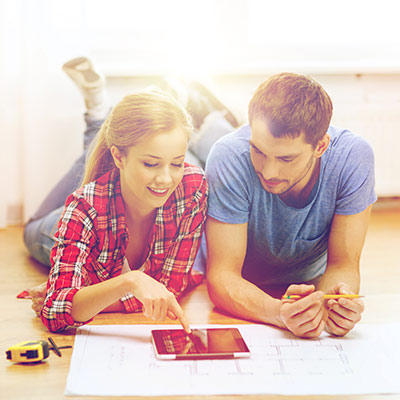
[137, 117]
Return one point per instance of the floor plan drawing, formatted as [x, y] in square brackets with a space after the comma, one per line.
[280, 363]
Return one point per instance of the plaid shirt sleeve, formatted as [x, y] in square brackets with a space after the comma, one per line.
[74, 239]
[173, 266]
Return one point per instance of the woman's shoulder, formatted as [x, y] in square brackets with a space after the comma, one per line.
[193, 176]
[97, 193]
[193, 183]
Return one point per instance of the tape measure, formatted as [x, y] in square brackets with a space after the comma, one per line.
[33, 351]
[29, 351]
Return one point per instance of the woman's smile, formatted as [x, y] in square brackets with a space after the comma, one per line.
[158, 192]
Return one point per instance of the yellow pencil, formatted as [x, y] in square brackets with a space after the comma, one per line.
[325, 296]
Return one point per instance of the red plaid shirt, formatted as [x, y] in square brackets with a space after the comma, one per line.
[92, 238]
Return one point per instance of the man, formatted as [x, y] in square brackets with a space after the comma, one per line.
[290, 200]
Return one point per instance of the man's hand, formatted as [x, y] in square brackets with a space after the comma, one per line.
[38, 294]
[343, 314]
[306, 316]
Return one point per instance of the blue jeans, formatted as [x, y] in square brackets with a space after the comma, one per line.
[39, 230]
[213, 127]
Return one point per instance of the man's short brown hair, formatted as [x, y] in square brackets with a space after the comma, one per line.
[292, 104]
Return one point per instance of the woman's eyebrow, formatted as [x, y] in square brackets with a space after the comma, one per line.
[160, 158]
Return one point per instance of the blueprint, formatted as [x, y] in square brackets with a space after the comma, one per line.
[119, 360]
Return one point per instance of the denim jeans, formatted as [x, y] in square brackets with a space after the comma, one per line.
[39, 230]
[213, 127]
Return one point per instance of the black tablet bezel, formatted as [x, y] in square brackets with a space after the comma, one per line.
[240, 350]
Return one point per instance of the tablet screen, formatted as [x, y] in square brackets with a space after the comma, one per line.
[202, 343]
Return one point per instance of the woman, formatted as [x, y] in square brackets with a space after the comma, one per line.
[127, 238]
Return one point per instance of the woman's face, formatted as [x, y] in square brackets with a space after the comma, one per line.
[151, 170]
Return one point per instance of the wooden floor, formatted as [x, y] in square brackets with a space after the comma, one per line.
[380, 261]
[380, 279]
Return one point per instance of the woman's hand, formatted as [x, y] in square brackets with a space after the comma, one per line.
[343, 314]
[38, 294]
[305, 317]
[158, 302]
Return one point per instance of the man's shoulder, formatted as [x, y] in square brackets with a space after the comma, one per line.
[349, 171]
[231, 149]
[344, 139]
[236, 140]
[347, 148]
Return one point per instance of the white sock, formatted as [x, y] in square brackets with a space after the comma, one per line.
[96, 102]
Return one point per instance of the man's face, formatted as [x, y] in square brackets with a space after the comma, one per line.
[283, 165]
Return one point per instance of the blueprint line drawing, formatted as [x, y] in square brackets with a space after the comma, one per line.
[290, 356]
[365, 361]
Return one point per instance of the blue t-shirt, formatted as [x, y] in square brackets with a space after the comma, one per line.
[286, 244]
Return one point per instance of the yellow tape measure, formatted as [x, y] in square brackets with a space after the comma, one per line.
[33, 351]
[29, 351]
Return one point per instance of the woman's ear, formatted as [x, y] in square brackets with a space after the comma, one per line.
[322, 146]
[117, 156]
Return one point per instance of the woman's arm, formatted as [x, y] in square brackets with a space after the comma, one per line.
[158, 302]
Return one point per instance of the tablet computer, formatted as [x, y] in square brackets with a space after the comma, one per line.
[211, 343]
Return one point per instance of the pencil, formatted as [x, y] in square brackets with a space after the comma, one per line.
[325, 296]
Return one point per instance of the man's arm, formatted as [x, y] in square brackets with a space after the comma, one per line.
[342, 274]
[228, 290]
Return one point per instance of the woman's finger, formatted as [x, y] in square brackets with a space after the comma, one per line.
[176, 309]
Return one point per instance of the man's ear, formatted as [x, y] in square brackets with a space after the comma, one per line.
[322, 145]
[117, 156]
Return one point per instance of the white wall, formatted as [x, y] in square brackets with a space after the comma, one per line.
[40, 108]
[215, 41]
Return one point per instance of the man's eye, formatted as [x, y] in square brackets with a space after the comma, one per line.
[287, 160]
[149, 165]
[177, 165]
